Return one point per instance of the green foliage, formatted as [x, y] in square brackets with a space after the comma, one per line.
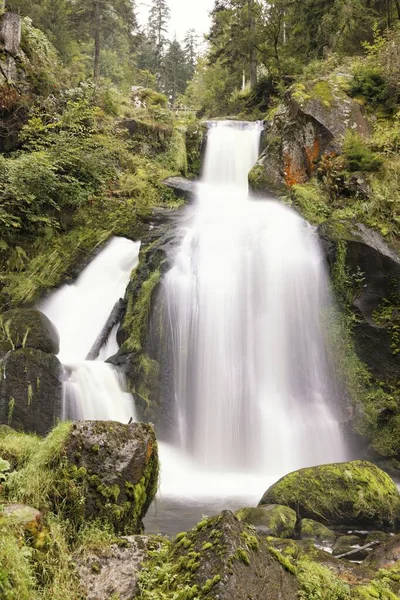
[359, 157]
[16, 573]
[319, 583]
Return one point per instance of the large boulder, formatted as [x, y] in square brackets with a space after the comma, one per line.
[311, 122]
[278, 521]
[119, 466]
[220, 558]
[183, 188]
[30, 390]
[29, 328]
[353, 493]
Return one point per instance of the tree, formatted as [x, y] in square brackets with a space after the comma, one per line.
[157, 29]
[99, 19]
[190, 45]
[175, 72]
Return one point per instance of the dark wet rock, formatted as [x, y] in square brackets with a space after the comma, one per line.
[114, 319]
[374, 269]
[118, 465]
[29, 328]
[183, 188]
[30, 390]
[310, 123]
[113, 572]
[359, 493]
[310, 529]
[278, 521]
[144, 354]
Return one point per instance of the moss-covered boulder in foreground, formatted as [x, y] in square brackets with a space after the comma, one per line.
[220, 558]
[353, 493]
[92, 470]
[278, 521]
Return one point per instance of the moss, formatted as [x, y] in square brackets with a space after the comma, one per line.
[138, 313]
[242, 555]
[317, 582]
[17, 578]
[360, 493]
[312, 201]
[315, 530]
[258, 180]
[283, 560]
[276, 520]
[322, 90]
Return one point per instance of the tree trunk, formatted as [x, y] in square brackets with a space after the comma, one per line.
[253, 52]
[398, 8]
[97, 42]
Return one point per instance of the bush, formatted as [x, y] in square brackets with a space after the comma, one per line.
[359, 157]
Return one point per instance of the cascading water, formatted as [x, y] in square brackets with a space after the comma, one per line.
[254, 394]
[93, 389]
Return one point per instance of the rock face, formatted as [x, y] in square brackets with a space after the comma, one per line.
[310, 529]
[30, 390]
[29, 328]
[359, 494]
[374, 269]
[311, 122]
[278, 521]
[118, 465]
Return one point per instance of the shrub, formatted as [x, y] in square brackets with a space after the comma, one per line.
[359, 157]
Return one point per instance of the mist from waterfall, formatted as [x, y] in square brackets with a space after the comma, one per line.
[254, 394]
[93, 389]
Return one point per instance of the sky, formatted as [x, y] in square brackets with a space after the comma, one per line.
[185, 14]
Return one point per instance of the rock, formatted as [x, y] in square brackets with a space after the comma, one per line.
[359, 494]
[10, 33]
[386, 556]
[310, 123]
[220, 558]
[377, 536]
[113, 573]
[183, 188]
[27, 519]
[30, 390]
[274, 520]
[376, 267]
[310, 529]
[345, 543]
[29, 328]
[118, 465]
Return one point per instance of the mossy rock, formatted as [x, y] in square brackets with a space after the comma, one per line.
[359, 494]
[274, 520]
[92, 471]
[220, 558]
[117, 468]
[30, 390]
[26, 518]
[346, 543]
[310, 529]
[29, 328]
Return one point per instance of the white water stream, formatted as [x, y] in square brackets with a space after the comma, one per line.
[93, 389]
[254, 394]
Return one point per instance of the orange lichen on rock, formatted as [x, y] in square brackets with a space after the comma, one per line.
[294, 173]
[312, 153]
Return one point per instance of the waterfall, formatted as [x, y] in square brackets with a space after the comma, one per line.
[93, 389]
[254, 393]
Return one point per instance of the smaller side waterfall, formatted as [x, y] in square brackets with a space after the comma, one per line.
[93, 389]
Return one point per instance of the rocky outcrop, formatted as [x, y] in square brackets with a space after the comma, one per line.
[183, 188]
[30, 390]
[311, 122]
[359, 494]
[372, 274]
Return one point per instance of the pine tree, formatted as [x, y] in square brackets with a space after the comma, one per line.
[159, 17]
[175, 73]
[191, 42]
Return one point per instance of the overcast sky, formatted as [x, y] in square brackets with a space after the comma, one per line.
[185, 14]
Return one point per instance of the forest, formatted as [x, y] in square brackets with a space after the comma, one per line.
[200, 301]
